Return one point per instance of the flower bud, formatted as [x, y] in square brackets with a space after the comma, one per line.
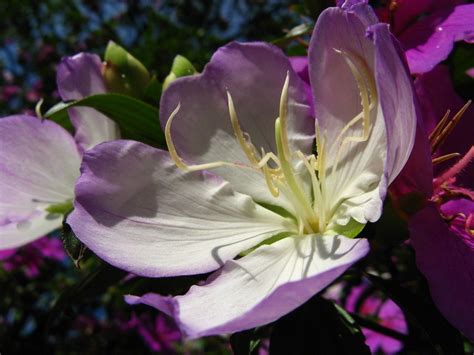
[180, 67]
[123, 73]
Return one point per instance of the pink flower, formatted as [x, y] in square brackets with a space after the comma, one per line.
[383, 311]
[32, 256]
[427, 29]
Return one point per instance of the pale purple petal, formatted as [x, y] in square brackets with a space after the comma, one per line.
[39, 164]
[135, 209]
[430, 40]
[367, 168]
[397, 99]
[260, 287]
[300, 66]
[16, 234]
[447, 261]
[80, 76]
[254, 74]
[417, 174]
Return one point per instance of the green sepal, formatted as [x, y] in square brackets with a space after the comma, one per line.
[61, 208]
[350, 230]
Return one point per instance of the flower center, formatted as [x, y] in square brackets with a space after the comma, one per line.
[281, 169]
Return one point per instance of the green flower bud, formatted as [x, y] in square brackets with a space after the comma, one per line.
[123, 73]
[180, 67]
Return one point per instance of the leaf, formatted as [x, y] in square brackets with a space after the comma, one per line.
[136, 119]
[443, 337]
[317, 327]
[73, 246]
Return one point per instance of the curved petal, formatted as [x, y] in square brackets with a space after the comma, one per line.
[360, 165]
[139, 212]
[397, 99]
[39, 164]
[363, 168]
[254, 74]
[16, 234]
[80, 76]
[262, 286]
[430, 40]
[300, 66]
[447, 261]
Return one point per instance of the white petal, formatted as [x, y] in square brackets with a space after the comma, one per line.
[13, 235]
[80, 76]
[39, 164]
[139, 212]
[262, 286]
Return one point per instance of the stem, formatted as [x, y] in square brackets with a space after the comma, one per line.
[364, 322]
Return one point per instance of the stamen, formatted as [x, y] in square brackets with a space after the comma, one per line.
[439, 127]
[448, 127]
[248, 149]
[177, 159]
[444, 158]
[291, 179]
[283, 116]
[269, 180]
[314, 180]
[455, 169]
[368, 95]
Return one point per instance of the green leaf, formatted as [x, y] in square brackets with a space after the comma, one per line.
[136, 119]
[422, 313]
[153, 90]
[73, 246]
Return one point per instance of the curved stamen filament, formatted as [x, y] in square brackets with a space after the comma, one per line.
[177, 159]
[291, 180]
[321, 164]
[284, 116]
[368, 95]
[246, 146]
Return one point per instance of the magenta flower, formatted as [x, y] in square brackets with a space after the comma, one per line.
[442, 233]
[159, 332]
[436, 95]
[32, 256]
[39, 160]
[384, 312]
[427, 29]
[275, 221]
